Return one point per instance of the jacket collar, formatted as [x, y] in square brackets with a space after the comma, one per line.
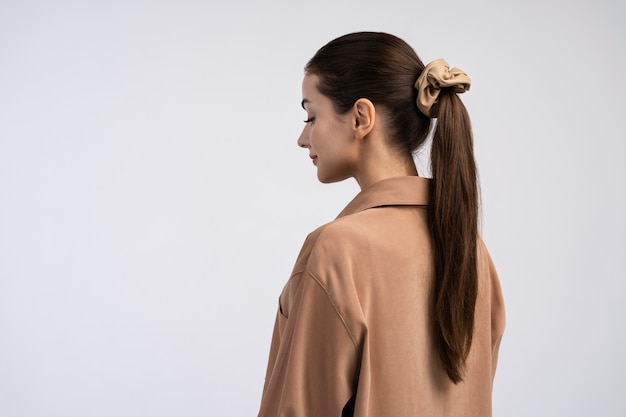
[397, 191]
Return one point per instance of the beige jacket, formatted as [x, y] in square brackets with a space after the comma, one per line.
[353, 328]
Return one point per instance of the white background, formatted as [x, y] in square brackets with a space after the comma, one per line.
[153, 199]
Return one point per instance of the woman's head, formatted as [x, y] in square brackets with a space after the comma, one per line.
[381, 68]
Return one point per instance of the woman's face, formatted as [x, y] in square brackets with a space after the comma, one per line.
[327, 135]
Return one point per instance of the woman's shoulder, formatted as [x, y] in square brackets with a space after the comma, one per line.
[339, 243]
[343, 230]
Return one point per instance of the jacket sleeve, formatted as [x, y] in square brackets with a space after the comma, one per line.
[313, 362]
[496, 304]
[498, 316]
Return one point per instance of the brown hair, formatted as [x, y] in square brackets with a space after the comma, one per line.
[383, 69]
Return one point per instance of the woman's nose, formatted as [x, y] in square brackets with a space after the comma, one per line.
[303, 140]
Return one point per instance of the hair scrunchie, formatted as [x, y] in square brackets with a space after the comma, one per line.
[434, 77]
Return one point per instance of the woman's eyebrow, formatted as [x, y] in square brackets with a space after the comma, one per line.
[305, 101]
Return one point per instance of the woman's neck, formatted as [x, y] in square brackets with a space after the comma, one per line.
[380, 161]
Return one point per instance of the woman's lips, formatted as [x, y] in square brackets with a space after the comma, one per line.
[314, 158]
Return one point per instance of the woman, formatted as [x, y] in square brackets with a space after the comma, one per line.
[395, 308]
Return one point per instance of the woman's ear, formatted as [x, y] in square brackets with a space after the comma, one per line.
[364, 117]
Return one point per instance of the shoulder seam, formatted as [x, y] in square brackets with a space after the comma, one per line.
[332, 302]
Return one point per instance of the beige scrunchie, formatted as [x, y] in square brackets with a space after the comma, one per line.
[436, 76]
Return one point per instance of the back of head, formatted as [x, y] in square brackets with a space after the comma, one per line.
[381, 68]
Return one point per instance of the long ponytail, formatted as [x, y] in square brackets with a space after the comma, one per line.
[453, 218]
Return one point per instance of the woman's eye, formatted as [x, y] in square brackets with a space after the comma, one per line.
[309, 120]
